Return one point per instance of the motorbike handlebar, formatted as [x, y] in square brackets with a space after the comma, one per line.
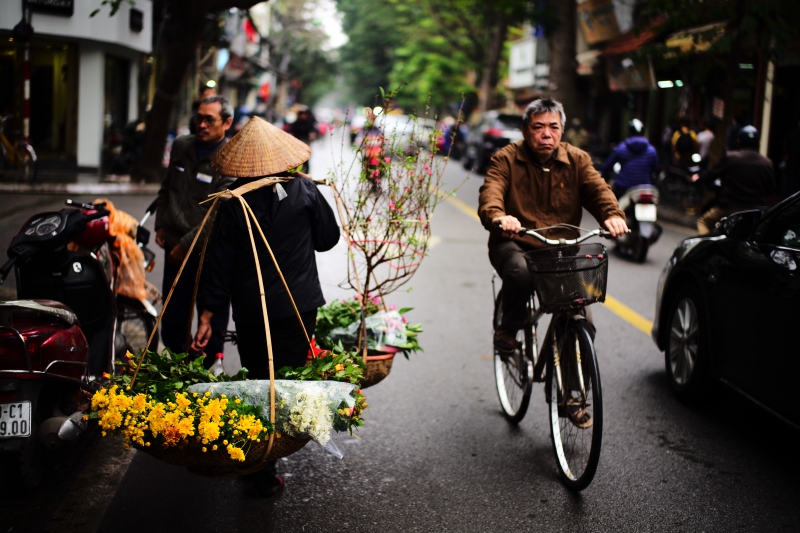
[94, 216]
[5, 269]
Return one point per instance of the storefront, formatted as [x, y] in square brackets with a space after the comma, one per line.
[83, 77]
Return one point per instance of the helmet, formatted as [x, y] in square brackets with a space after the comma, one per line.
[635, 127]
[748, 137]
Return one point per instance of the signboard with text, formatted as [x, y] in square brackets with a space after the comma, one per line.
[521, 63]
[598, 21]
[53, 7]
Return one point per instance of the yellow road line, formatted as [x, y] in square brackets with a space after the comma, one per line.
[628, 315]
[612, 304]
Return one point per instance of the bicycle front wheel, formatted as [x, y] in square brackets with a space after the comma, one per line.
[576, 406]
[513, 372]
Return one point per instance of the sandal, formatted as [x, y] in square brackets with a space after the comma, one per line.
[504, 341]
[579, 415]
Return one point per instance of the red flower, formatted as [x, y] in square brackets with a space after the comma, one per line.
[314, 351]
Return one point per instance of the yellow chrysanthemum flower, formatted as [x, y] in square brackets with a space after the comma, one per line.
[236, 453]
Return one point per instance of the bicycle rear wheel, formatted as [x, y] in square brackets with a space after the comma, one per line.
[576, 406]
[513, 372]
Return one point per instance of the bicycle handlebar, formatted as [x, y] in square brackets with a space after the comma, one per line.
[560, 242]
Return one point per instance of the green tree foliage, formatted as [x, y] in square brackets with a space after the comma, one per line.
[445, 48]
[298, 52]
[374, 30]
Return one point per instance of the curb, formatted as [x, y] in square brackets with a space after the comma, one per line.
[145, 189]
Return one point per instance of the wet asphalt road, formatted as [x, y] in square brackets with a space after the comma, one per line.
[436, 454]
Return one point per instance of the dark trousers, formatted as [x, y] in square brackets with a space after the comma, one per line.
[289, 345]
[508, 259]
[176, 317]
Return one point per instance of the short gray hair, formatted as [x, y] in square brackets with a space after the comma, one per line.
[226, 110]
[544, 105]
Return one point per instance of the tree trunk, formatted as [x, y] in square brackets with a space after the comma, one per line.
[150, 167]
[563, 76]
[494, 49]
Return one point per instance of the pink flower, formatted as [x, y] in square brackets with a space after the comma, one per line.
[391, 206]
[410, 172]
[376, 300]
[374, 173]
[421, 217]
[387, 159]
[392, 307]
[404, 320]
[426, 167]
[429, 172]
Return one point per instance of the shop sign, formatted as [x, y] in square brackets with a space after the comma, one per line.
[625, 75]
[53, 7]
[521, 63]
[696, 39]
[598, 21]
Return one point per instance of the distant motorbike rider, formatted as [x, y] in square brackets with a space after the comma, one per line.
[637, 158]
[745, 179]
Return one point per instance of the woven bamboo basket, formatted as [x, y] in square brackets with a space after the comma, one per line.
[378, 367]
[217, 463]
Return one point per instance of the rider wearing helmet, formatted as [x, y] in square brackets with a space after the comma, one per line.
[637, 158]
[745, 179]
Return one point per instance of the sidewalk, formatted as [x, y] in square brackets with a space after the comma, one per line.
[76, 182]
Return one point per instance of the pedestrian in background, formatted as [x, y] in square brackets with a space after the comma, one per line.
[189, 181]
[305, 129]
[684, 144]
[577, 135]
[705, 136]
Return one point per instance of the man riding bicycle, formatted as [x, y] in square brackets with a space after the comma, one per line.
[534, 183]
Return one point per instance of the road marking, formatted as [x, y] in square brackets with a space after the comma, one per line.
[628, 315]
[612, 304]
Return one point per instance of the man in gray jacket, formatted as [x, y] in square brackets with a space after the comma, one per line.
[189, 181]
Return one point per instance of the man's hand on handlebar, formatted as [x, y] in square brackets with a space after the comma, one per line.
[616, 226]
[508, 223]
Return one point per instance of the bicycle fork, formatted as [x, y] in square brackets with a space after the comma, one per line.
[559, 376]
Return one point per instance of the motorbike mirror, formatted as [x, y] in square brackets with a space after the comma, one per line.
[740, 225]
[696, 158]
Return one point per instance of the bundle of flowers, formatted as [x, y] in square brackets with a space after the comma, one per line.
[386, 326]
[175, 402]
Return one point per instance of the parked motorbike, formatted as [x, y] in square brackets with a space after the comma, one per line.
[66, 329]
[639, 204]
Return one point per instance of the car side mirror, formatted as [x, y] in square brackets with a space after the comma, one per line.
[740, 225]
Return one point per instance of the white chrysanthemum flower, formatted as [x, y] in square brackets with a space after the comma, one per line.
[309, 414]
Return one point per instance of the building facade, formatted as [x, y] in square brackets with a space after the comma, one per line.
[84, 75]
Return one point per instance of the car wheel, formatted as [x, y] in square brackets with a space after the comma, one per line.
[686, 356]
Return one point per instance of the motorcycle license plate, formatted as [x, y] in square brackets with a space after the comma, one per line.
[15, 419]
[646, 212]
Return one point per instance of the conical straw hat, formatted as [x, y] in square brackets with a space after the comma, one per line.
[260, 149]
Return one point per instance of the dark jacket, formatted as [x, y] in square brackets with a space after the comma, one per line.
[746, 176]
[294, 227]
[518, 185]
[638, 160]
[187, 183]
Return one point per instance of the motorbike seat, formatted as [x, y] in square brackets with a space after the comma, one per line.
[28, 308]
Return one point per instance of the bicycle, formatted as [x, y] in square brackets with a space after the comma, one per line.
[567, 276]
[19, 155]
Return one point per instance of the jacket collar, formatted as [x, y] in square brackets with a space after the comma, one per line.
[524, 154]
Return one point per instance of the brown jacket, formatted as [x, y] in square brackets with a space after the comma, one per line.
[517, 184]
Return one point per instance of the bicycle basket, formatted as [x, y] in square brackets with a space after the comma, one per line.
[569, 276]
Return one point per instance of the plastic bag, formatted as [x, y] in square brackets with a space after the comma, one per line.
[385, 328]
[130, 270]
[303, 408]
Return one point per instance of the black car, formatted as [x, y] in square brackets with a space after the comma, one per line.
[727, 305]
[494, 131]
